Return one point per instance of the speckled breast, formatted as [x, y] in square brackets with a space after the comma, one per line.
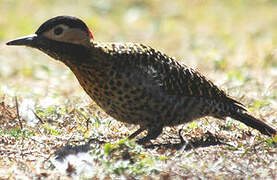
[117, 95]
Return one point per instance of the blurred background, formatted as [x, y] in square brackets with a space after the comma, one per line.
[232, 42]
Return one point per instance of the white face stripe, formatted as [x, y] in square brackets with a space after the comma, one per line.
[69, 35]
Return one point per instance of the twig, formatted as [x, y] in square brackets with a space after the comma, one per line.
[87, 123]
[17, 111]
[37, 117]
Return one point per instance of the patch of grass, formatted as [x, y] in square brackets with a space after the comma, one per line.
[53, 112]
[192, 125]
[238, 76]
[258, 104]
[18, 133]
[51, 130]
[126, 157]
[272, 142]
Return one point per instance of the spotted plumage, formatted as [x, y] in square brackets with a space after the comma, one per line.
[135, 83]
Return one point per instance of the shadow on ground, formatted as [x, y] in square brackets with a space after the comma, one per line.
[206, 140]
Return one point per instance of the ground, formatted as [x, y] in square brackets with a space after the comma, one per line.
[55, 131]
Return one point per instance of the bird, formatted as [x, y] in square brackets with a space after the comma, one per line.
[133, 82]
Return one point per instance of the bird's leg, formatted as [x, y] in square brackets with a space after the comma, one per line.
[152, 133]
[136, 133]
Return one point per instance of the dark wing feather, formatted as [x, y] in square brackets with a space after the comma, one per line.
[165, 72]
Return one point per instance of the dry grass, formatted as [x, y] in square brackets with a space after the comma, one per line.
[232, 42]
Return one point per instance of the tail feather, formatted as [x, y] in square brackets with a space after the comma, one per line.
[253, 122]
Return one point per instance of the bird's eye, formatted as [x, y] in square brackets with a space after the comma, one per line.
[58, 31]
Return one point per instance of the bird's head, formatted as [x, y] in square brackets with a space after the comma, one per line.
[64, 38]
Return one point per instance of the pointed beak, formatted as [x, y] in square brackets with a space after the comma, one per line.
[24, 41]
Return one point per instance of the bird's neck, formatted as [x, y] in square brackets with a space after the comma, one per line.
[93, 58]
